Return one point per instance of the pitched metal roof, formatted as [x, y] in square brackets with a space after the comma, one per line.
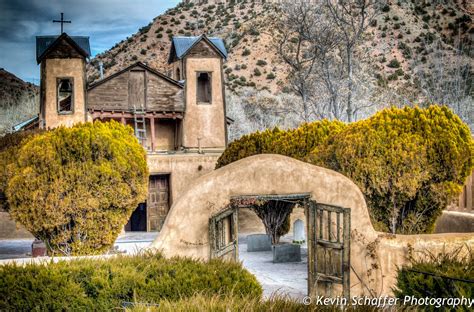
[44, 42]
[181, 45]
[25, 123]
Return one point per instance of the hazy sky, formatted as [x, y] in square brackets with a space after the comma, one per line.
[106, 22]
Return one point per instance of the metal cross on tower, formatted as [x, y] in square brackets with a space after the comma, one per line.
[62, 21]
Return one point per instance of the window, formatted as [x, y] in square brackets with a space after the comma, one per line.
[204, 88]
[65, 95]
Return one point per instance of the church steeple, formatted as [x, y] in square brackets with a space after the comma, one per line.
[63, 79]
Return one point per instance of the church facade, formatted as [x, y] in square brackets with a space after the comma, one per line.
[179, 120]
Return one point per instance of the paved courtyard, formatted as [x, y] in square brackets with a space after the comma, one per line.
[276, 278]
[129, 242]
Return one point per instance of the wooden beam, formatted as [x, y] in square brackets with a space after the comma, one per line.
[152, 130]
[118, 115]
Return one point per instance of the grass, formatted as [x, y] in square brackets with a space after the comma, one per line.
[226, 303]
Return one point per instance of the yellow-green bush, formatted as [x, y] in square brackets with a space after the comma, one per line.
[9, 146]
[74, 188]
[409, 163]
[296, 143]
[105, 284]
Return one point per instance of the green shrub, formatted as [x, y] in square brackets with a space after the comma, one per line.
[75, 188]
[102, 285]
[441, 278]
[261, 63]
[409, 163]
[296, 143]
[394, 63]
[9, 147]
[246, 52]
[271, 76]
[257, 72]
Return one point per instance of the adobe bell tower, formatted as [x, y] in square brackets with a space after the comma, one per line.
[198, 62]
[63, 79]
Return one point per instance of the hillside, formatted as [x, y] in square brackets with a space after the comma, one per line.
[400, 42]
[19, 100]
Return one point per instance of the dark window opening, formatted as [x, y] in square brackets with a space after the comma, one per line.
[65, 95]
[204, 88]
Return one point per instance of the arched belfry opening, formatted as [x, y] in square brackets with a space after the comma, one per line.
[204, 92]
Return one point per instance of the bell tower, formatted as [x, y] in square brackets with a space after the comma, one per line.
[63, 79]
[199, 62]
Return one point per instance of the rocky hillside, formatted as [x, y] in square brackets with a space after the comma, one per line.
[19, 100]
[398, 44]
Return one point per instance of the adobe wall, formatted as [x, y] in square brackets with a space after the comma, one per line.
[9, 229]
[64, 68]
[182, 167]
[374, 255]
[204, 121]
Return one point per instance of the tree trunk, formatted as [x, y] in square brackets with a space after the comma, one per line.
[350, 111]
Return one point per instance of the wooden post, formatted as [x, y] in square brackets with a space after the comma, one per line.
[152, 130]
[123, 120]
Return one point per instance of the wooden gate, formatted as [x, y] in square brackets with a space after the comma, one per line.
[328, 250]
[223, 234]
[158, 202]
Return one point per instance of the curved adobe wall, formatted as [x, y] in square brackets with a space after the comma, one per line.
[185, 231]
[374, 256]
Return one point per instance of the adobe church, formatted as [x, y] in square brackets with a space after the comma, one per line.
[179, 120]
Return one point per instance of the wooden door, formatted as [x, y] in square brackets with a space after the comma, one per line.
[223, 234]
[158, 202]
[328, 250]
[136, 89]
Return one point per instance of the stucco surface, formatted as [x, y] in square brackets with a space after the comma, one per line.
[183, 168]
[374, 256]
[185, 231]
[204, 121]
[63, 68]
[9, 229]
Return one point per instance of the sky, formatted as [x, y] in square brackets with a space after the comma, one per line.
[106, 22]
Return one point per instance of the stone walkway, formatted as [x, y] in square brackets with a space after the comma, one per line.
[276, 278]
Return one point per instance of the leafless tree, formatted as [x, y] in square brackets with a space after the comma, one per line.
[446, 78]
[296, 47]
[253, 110]
[352, 17]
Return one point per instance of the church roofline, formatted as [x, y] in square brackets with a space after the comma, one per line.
[140, 64]
[43, 47]
[185, 44]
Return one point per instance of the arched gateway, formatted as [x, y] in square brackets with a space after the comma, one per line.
[196, 222]
[206, 208]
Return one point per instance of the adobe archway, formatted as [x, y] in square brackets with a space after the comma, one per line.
[374, 256]
[186, 229]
